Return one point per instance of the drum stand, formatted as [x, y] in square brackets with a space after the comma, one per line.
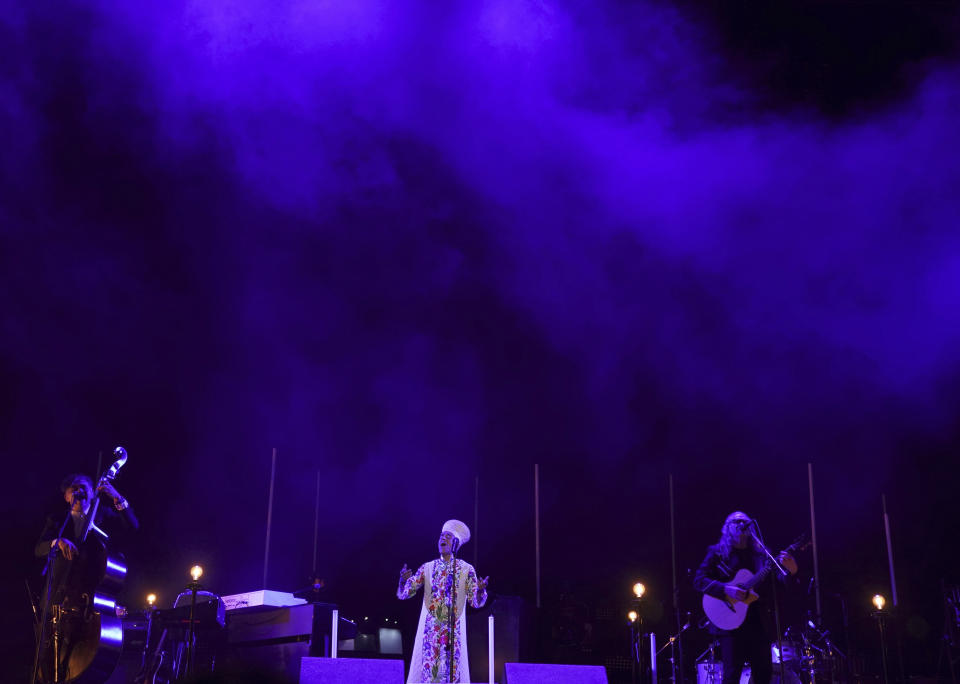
[827, 651]
[809, 659]
[713, 673]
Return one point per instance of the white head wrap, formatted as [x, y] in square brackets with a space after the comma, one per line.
[457, 529]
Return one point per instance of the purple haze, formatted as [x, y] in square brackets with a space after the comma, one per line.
[408, 245]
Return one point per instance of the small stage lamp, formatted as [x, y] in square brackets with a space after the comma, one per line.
[639, 590]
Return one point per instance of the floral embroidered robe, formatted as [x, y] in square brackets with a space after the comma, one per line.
[430, 659]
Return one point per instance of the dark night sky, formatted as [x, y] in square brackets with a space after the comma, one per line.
[409, 247]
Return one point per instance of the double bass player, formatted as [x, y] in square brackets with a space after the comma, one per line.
[79, 574]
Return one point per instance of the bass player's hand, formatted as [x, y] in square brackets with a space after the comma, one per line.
[67, 548]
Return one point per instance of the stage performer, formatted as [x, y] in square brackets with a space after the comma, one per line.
[749, 642]
[445, 581]
[114, 517]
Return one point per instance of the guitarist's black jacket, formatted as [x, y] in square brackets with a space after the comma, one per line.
[715, 571]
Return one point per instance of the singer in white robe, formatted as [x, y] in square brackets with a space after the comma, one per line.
[431, 659]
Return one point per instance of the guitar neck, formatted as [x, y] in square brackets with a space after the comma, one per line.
[768, 566]
[760, 576]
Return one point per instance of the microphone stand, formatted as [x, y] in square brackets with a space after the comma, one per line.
[46, 607]
[832, 649]
[674, 644]
[450, 615]
[773, 593]
[33, 604]
[676, 663]
[783, 571]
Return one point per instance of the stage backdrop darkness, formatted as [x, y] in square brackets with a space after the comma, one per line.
[410, 246]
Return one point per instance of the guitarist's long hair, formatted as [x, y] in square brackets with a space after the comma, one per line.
[724, 546]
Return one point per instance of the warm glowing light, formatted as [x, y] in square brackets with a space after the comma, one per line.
[879, 601]
[151, 599]
[639, 590]
[633, 616]
[196, 572]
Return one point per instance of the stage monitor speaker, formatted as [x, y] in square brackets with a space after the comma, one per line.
[281, 658]
[350, 671]
[536, 673]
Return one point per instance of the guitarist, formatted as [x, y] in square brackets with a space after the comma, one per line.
[749, 642]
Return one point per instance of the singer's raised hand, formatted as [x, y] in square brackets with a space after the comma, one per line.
[482, 584]
[405, 574]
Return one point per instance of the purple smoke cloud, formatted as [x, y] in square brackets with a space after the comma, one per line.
[473, 236]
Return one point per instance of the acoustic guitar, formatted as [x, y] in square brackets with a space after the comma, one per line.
[729, 613]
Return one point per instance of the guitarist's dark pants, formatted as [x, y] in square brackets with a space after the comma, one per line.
[746, 643]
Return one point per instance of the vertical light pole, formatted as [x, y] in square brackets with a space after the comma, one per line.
[879, 614]
[636, 631]
[196, 572]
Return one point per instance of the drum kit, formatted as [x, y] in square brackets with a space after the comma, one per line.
[808, 657]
